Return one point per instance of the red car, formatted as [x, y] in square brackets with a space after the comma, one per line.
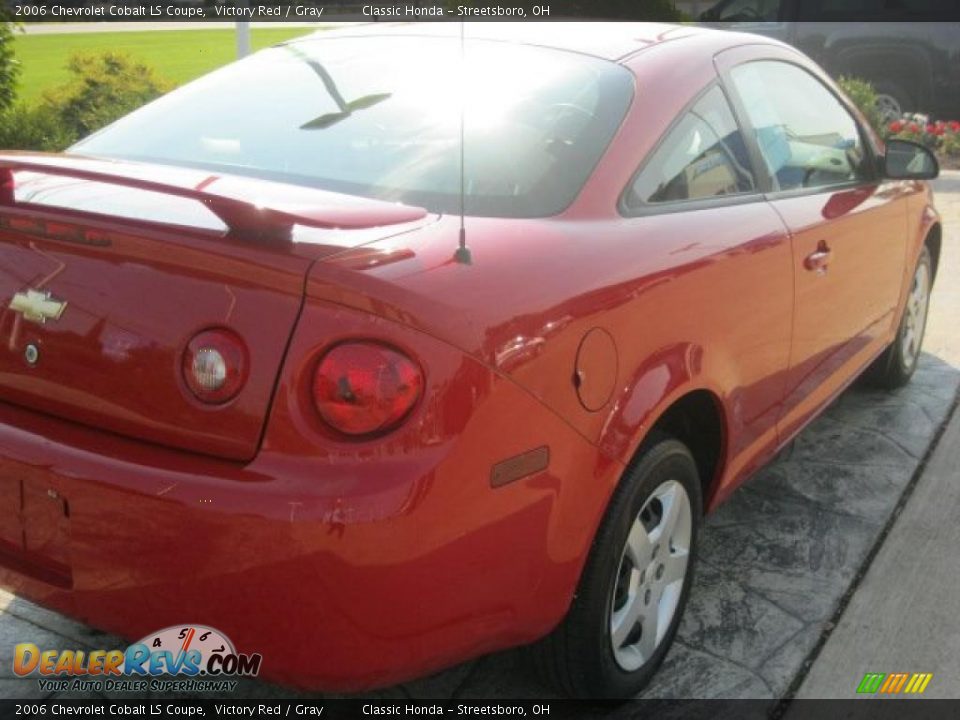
[386, 348]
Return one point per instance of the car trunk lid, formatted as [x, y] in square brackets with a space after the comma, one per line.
[108, 270]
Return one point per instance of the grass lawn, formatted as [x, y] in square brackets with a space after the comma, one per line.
[177, 55]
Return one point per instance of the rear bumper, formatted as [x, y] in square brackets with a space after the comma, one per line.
[343, 575]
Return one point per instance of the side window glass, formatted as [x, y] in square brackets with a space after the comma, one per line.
[807, 138]
[703, 156]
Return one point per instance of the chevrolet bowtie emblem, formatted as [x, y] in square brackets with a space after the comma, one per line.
[37, 306]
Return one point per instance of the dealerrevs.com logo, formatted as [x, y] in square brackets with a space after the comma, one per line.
[199, 658]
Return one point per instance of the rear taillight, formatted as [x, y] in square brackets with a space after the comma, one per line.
[52, 230]
[364, 388]
[215, 365]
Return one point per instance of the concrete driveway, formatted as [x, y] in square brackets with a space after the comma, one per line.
[778, 563]
[903, 617]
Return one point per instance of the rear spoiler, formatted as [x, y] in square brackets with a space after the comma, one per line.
[250, 208]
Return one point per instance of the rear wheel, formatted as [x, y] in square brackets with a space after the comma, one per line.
[896, 365]
[635, 584]
[893, 100]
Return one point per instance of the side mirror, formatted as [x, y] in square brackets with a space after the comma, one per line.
[906, 160]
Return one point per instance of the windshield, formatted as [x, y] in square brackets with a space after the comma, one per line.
[380, 117]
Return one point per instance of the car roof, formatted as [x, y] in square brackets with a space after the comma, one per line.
[608, 40]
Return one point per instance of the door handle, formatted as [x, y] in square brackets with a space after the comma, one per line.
[819, 258]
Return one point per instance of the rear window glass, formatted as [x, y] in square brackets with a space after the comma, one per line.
[381, 117]
[704, 156]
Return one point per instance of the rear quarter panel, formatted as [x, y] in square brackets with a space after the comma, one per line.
[693, 300]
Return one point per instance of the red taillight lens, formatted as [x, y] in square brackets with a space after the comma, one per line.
[215, 365]
[361, 388]
[59, 230]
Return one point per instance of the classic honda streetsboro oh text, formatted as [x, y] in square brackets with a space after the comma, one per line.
[385, 348]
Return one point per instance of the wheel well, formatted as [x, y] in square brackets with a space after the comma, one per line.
[696, 421]
[932, 241]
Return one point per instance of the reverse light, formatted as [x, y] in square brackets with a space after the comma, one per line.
[365, 387]
[215, 365]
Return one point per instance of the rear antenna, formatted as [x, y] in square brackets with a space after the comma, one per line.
[463, 254]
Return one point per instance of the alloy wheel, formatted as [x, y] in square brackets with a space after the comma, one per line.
[888, 107]
[915, 315]
[650, 577]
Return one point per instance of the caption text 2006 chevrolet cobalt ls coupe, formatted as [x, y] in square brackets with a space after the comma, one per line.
[256, 374]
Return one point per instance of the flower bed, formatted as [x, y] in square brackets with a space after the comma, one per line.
[943, 137]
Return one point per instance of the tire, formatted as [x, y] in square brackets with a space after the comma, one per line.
[894, 368]
[579, 657]
[893, 99]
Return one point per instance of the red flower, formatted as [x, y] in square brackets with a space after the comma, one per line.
[896, 126]
[954, 126]
[931, 129]
[913, 127]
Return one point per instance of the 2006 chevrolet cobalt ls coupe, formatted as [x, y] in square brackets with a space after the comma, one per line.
[385, 348]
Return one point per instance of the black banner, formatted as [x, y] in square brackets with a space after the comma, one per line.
[718, 11]
[480, 709]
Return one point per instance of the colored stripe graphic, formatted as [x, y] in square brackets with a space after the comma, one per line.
[894, 683]
[871, 683]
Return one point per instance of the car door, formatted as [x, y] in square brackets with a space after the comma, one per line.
[848, 226]
[697, 190]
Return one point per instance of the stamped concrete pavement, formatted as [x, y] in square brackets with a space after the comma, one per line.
[778, 561]
[903, 617]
